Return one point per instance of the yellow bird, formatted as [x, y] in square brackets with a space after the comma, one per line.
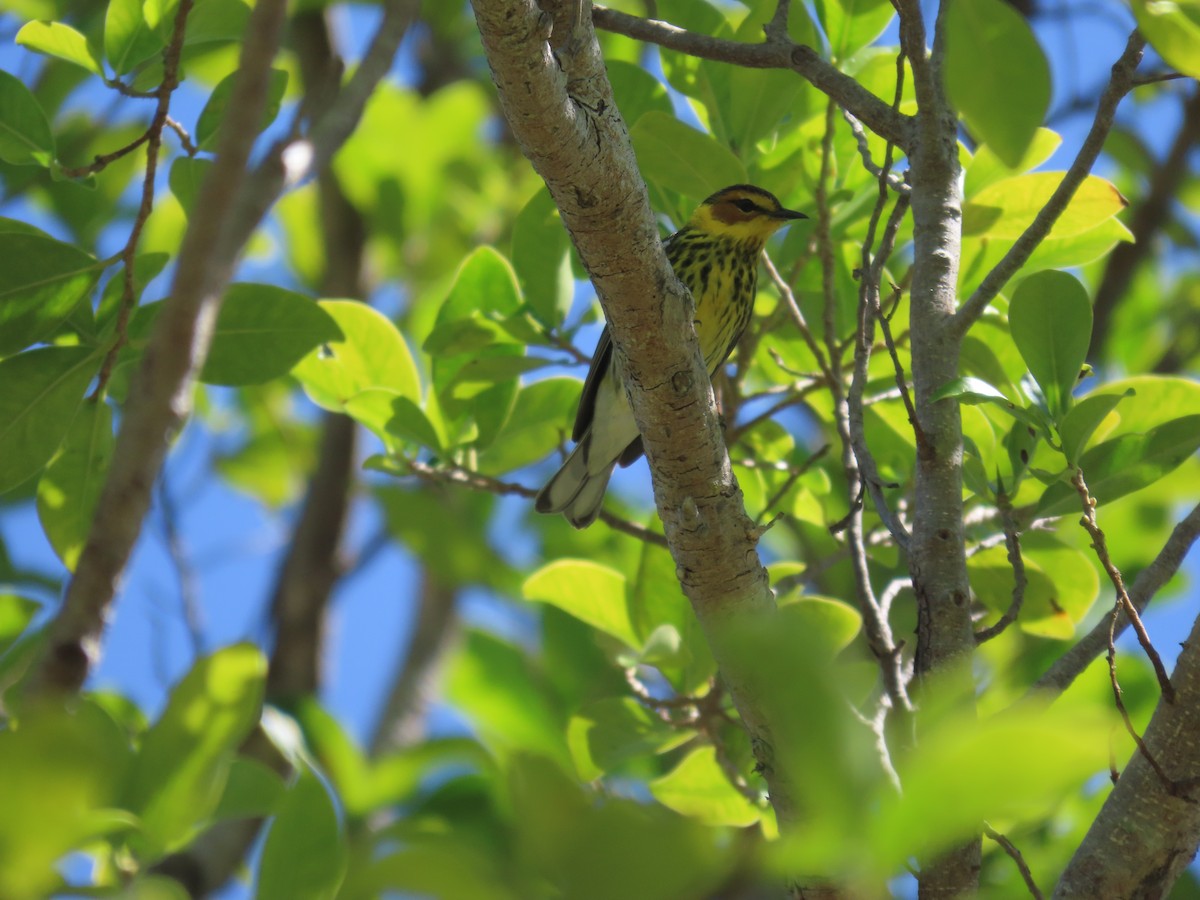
[716, 256]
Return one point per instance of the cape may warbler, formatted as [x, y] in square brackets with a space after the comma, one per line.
[716, 255]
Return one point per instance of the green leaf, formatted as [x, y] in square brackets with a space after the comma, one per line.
[996, 75]
[636, 92]
[42, 390]
[974, 391]
[830, 622]
[493, 684]
[1173, 29]
[305, 854]
[698, 788]
[263, 331]
[1019, 766]
[1126, 464]
[1051, 322]
[16, 613]
[679, 158]
[146, 267]
[391, 416]
[69, 489]
[208, 126]
[1061, 584]
[128, 40]
[62, 41]
[370, 354]
[486, 284]
[986, 168]
[185, 756]
[539, 421]
[1081, 422]
[41, 282]
[151, 887]
[590, 592]
[853, 24]
[59, 773]
[540, 258]
[160, 15]
[25, 136]
[614, 730]
[253, 790]
[187, 175]
[1006, 208]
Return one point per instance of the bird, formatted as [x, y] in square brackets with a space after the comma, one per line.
[715, 254]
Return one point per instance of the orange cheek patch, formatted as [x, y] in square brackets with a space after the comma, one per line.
[730, 214]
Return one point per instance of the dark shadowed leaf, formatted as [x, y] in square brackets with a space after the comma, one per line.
[42, 390]
[996, 74]
[70, 487]
[41, 282]
[263, 331]
[304, 857]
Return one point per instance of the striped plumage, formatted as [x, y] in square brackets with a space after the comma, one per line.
[716, 256]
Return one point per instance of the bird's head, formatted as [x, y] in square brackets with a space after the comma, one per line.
[743, 212]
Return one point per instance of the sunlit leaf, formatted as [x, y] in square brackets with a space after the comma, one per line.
[371, 353]
[1173, 29]
[697, 787]
[185, 756]
[593, 593]
[60, 40]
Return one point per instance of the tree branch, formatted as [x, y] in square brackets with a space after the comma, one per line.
[1018, 254]
[160, 397]
[1149, 581]
[578, 143]
[777, 52]
[1147, 831]
[402, 721]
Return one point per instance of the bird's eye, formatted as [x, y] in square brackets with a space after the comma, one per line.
[746, 206]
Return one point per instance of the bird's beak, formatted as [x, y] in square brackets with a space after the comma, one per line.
[788, 214]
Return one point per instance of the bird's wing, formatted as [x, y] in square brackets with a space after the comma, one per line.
[587, 400]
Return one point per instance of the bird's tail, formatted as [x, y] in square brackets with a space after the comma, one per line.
[577, 489]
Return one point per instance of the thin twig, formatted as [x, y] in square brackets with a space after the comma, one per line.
[453, 474]
[1008, 847]
[153, 140]
[1120, 84]
[876, 627]
[185, 572]
[1132, 731]
[1100, 544]
[1012, 540]
[775, 53]
[160, 395]
[792, 478]
[101, 161]
[185, 139]
[870, 275]
[789, 298]
[1148, 583]
[894, 181]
